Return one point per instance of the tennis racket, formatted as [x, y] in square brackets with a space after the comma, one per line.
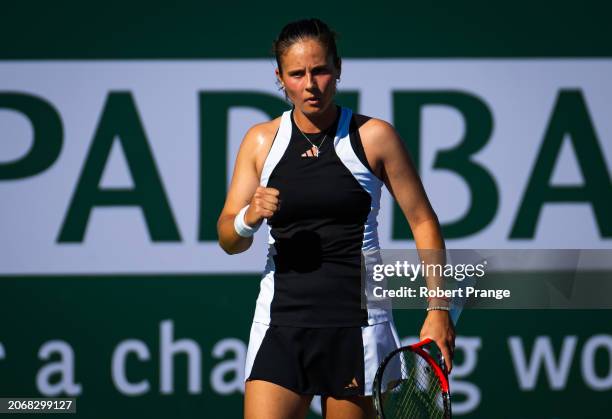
[410, 383]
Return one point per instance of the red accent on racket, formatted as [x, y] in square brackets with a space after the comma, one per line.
[410, 383]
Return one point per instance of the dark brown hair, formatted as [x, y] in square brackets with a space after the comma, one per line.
[306, 29]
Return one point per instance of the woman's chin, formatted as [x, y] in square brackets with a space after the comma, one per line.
[314, 108]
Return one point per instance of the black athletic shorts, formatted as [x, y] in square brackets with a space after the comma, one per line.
[328, 361]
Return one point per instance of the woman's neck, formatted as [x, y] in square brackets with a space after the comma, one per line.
[312, 124]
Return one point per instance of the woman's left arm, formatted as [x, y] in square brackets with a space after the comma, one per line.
[392, 163]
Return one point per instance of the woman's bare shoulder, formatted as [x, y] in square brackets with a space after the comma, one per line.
[257, 143]
[262, 134]
[375, 132]
[372, 126]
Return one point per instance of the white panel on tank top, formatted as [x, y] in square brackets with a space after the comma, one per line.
[266, 286]
[266, 293]
[279, 145]
[368, 181]
[372, 185]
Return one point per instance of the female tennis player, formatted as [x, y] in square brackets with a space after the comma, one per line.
[315, 175]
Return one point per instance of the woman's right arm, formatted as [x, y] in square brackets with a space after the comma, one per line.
[245, 190]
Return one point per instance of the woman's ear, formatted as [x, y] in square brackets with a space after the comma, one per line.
[279, 78]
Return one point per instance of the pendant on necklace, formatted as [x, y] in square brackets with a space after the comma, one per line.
[313, 152]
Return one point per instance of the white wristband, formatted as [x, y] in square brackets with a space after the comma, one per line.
[242, 229]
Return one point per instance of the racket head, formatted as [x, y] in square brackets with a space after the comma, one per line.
[411, 383]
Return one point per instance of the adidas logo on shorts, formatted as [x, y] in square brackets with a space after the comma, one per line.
[352, 384]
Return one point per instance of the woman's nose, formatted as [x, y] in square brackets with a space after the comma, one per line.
[310, 83]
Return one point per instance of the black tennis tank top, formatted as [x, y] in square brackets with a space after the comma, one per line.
[327, 216]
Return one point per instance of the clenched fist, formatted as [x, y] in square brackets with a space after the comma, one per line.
[264, 204]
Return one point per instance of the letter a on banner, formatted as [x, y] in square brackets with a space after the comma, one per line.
[120, 121]
[570, 119]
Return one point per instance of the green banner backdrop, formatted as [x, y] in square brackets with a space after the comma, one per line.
[186, 336]
[173, 345]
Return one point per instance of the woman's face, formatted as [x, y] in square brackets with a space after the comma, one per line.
[308, 76]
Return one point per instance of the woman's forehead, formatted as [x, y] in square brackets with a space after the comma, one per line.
[308, 51]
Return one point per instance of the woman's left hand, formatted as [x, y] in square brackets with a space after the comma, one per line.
[439, 327]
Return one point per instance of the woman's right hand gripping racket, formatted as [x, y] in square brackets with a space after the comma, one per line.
[410, 383]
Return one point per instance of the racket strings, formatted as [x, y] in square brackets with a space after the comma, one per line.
[413, 391]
